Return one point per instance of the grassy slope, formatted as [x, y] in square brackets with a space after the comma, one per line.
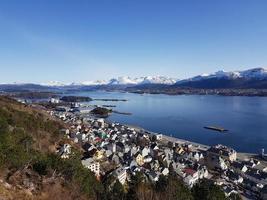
[28, 167]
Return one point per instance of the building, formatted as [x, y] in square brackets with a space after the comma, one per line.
[148, 159]
[54, 100]
[65, 151]
[216, 162]
[240, 166]
[153, 176]
[165, 171]
[92, 165]
[101, 123]
[222, 151]
[228, 191]
[190, 177]
[99, 154]
[121, 175]
[139, 159]
[159, 136]
[111, 147]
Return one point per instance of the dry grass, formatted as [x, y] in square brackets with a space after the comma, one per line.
[12, 184]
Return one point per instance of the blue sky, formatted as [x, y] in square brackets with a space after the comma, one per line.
[82, 40]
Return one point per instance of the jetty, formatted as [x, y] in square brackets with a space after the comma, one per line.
[215, 128]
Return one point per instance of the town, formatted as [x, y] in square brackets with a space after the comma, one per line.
[114, 149]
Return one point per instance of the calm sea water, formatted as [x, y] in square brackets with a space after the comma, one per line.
[185, 116]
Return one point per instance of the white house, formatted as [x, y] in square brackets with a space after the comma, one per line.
[159, 136]
[147, 159]
[203, 172]
[121, 175]
[244, 168]
[54, 100]
[145, 151]
[190, 177]
[165, 171]
[65, 151]
[92, 165]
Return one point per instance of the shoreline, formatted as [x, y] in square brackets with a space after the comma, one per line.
[169, 138]
[199, 146]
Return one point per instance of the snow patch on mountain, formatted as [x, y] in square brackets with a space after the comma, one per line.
[123, 80]
[158, 80]
[53, 84]
[88, 83]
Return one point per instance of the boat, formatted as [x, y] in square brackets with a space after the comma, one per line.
[215, 128]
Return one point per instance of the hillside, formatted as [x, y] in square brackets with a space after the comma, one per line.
[29, 167]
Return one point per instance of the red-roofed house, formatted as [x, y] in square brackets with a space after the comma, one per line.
[190, 176]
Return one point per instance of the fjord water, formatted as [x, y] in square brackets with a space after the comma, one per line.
[184, 116]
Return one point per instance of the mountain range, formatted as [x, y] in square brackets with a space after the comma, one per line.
[252, 78]
[255, 78]
[123, 80]
[255, 74]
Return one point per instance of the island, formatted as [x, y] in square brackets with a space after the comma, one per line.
[100, 111]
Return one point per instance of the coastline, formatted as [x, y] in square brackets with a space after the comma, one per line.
[165, 138]
[170, 138]
[195, 91]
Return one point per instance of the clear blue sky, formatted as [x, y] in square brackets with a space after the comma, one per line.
[99, 39]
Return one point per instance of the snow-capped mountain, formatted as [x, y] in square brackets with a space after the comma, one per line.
[123, 80]
[252, 78]
[158, 80]
[255, 73]
[142, 80]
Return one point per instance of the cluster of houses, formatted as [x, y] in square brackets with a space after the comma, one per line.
[248, 176]
[113, 149]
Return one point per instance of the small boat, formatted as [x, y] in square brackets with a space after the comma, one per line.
[215, 128]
